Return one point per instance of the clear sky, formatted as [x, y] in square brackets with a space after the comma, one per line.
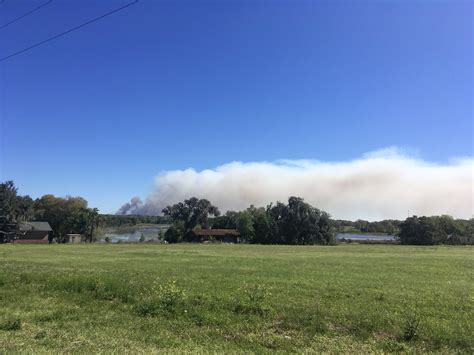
[166, 85]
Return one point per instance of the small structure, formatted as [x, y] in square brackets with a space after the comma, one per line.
[221, 235]
[74, 238]
[33, 233]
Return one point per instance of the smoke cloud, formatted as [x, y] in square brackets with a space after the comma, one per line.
[386, 184]
[132, 207]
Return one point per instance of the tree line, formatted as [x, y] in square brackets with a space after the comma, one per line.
[388, 226]
[64, 215]
[115, 220]
[295, 222]
[436, 230]
[299, 223]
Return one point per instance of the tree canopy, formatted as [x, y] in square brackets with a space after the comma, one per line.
[435, 230]
[296, 222]
[192, 212]
[65, 215]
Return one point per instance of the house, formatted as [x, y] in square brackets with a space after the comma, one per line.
[221, 235]
[33, 233]
[74, 238]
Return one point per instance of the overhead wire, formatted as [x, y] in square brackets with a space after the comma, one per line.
[25, 14]
[68, 31]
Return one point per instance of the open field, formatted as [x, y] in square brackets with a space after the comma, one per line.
[97, 298]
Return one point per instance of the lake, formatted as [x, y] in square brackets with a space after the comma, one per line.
[355, 236]
[151, 233]
[132, 235]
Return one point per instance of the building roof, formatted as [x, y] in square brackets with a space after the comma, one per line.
[215, 232]
[34, 226]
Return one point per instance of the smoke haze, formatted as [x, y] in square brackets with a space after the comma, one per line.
[386, 184]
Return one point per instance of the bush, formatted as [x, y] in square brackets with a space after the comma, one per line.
[175, 234]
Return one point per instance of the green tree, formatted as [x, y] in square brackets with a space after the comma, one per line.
[261, 226]
[8, 201]
[66, 215]
[422, 231]
[89, 222]
[192, 212]
[8, 211]
[176, 233]
[245, 226]
[298, 223]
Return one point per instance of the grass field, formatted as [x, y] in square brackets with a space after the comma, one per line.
[150, 298]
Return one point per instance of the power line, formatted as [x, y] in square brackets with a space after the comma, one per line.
[25, 14]
[68, 31]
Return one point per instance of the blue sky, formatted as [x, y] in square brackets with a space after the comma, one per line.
[167, 85]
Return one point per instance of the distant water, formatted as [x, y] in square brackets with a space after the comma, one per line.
[354, 236]
[134, 235]
[152, 234]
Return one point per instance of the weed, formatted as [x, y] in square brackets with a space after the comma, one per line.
[380, 296]
[10, 323]
[161, 298]
[412, 327]
[252, 299]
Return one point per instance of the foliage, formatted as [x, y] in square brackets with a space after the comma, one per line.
[412, 327]
[176, 233]
[294, 223]
[186, 216]
[13, 208]
[113, 220]
[191, 212]
[435, 230]
[388, 226]
[67, 215]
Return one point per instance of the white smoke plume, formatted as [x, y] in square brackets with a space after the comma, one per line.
[386, 184]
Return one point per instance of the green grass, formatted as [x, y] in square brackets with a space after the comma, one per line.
[238, 298]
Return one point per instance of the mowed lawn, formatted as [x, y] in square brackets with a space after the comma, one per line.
[241, 298]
